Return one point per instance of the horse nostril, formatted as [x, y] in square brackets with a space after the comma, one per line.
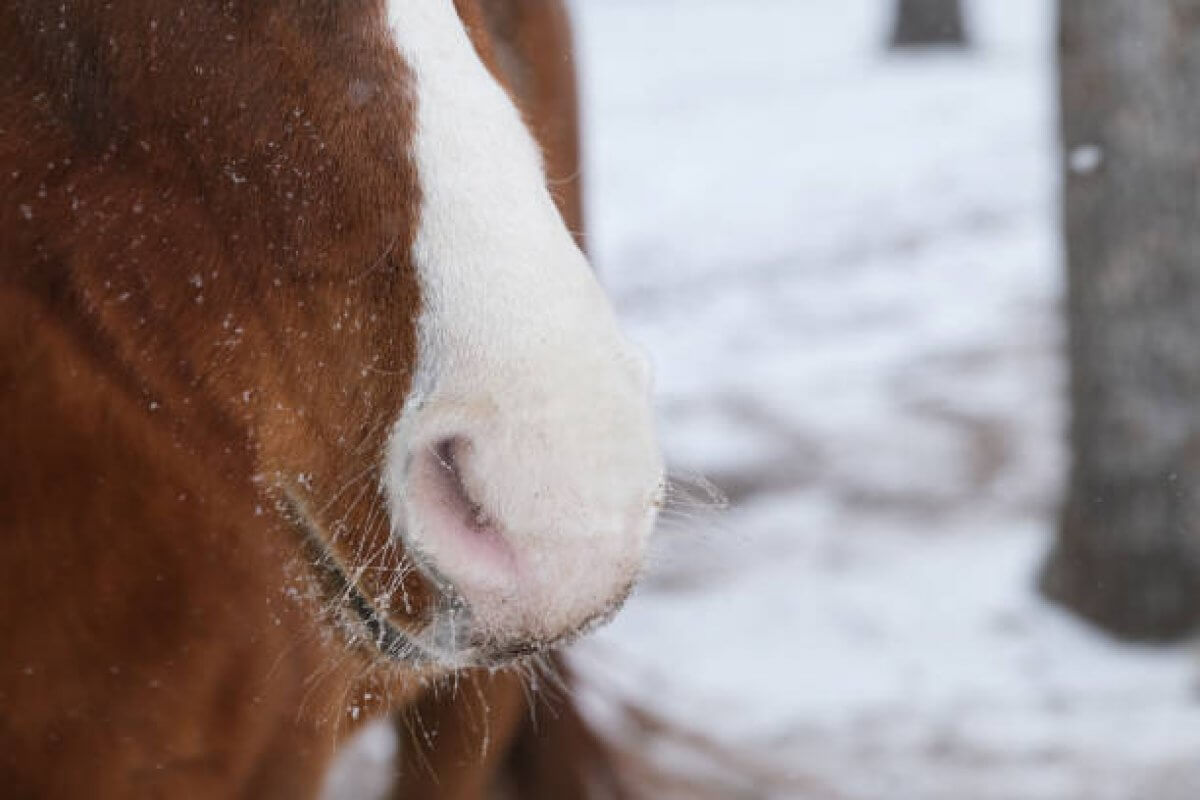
[456, 529]
[444, 451]
[450, 453]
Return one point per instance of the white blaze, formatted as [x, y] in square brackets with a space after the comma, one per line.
[519, 353]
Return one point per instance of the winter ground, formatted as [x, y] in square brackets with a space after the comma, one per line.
[844, 266]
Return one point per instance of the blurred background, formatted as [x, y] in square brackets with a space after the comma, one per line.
[839, 230]
[926, 309]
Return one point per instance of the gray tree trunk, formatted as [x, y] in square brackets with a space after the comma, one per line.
[928, 22]
[1128, 549]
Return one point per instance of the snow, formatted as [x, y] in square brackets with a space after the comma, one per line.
[845, 267]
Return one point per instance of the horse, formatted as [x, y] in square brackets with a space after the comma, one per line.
[310, 400]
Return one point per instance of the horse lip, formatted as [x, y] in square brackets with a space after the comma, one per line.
[448, 639]
[387, 638]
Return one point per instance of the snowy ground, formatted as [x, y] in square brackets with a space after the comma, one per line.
[844, 265]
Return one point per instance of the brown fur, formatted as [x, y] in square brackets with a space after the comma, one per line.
[205, 302]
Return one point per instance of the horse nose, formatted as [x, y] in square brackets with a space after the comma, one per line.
[538, 542]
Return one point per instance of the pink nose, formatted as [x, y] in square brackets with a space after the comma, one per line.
[537, 544]
[460, 535]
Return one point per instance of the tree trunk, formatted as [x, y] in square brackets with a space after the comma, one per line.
[928, 22]
[1128, 549]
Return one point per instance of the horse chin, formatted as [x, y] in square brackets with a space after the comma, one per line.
[445, 638]
[456, 640]
[451, 637]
